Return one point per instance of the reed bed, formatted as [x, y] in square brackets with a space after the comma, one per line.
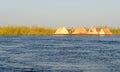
[22, 30]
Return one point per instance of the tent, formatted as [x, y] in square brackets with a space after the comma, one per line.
[103, 31]
[100, 30]
[92, 31]
[61, 30]
[107, 31]
[80, 31]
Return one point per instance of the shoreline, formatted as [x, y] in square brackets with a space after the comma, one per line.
[65, 35]
[43, 31]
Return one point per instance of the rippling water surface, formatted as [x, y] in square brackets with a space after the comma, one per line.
[60, 54]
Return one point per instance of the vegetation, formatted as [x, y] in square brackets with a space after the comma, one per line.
[115, 30]
[36, 31]
[22, 30]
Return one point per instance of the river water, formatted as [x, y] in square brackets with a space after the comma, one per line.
[60, 54]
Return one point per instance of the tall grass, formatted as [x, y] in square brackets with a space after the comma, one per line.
[23, 30]
[115, 30]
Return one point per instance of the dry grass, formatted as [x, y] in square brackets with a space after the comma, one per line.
[23, 30]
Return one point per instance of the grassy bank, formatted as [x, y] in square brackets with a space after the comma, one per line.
[22, 30]
[36, 31]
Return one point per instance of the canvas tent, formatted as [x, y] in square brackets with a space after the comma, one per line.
[92, 31]
[80, 31]
[62, 30]
[100, 30]
[107, 31]
[103, 30]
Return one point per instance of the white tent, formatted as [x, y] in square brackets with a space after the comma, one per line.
[62, 30]
[80, 31]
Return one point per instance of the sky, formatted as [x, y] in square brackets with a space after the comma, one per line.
[57, 13]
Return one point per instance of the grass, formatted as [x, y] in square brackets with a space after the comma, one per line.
[115, 30]
[22, 30]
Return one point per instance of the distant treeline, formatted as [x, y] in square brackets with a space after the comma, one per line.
[35, 31]
[23, 30]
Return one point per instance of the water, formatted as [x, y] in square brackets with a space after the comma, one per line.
[60, 54]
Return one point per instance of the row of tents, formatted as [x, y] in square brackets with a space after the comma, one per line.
[63, 30]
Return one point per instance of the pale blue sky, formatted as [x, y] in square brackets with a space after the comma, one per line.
[55, 13]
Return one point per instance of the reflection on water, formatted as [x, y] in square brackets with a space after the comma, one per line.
[60, 54]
